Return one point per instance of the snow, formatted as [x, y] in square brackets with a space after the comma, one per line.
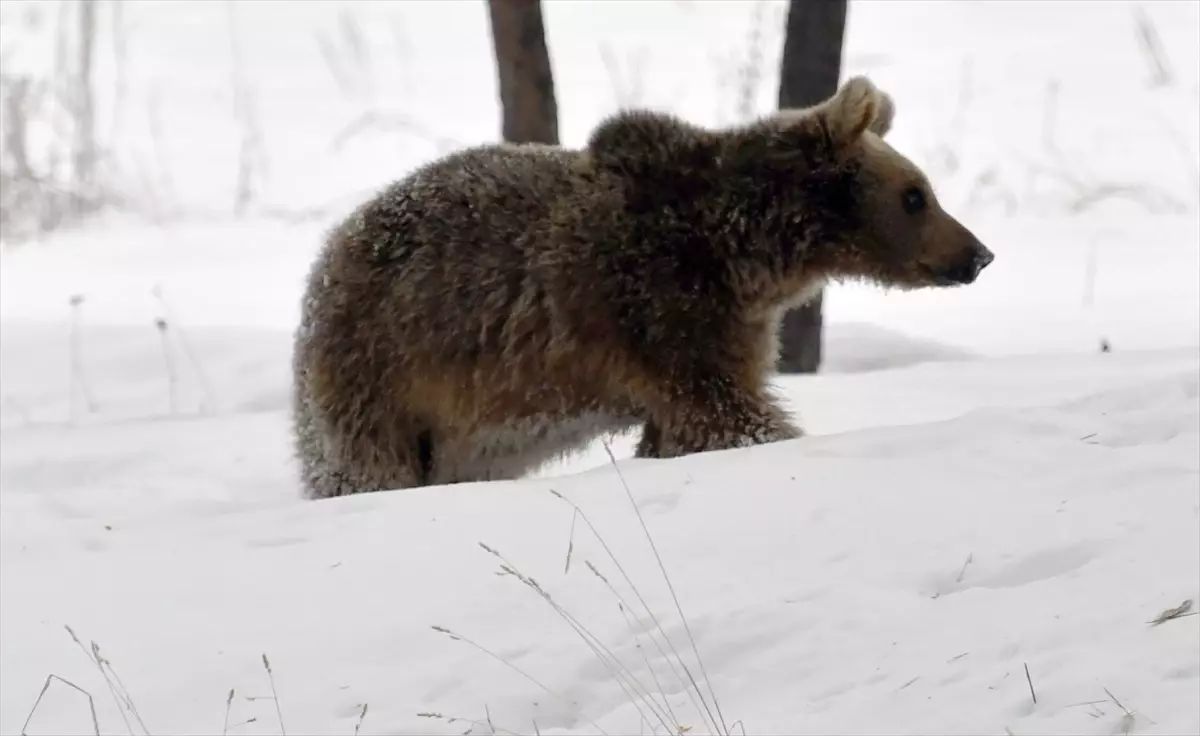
[988, 507]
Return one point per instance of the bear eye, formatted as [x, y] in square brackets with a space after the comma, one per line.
[913, 200]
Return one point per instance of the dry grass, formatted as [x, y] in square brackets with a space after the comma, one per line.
[116, 688]
[128, 709]
[362, 716]
[680, 672]
[274, 693]
[50, 680]
[472, 723]
[647, 697]
[1180, 611]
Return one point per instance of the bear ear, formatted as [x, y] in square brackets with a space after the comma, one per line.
[647, 143]
[883, 116]
[857, 106]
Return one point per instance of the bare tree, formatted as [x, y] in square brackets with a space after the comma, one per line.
[526, 80]
[811, 66]
[84, 163]
[252, 161]
[120, 66]
[49, 152]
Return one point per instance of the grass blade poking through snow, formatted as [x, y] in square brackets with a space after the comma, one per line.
[693, 690]
[50, 680]
[115, 687]
[636, 639]
[629, 684]
[1170, 614]
[274, 694]
[362, 716]
[228, 707]
[472, 722]
[172, 378]
[210, 402]
[455, 636]
[658, 558]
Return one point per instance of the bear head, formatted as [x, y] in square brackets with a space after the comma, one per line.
[807, 194]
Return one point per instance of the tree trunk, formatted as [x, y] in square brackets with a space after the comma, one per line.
[811, 67]
[526, 81]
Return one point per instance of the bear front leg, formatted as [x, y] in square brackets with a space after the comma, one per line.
[712, 415]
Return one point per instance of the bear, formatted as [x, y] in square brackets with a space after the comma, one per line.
[506, 305]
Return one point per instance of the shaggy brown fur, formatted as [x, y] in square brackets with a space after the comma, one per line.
[506, 305]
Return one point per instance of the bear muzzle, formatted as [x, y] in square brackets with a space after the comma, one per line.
[965, 269]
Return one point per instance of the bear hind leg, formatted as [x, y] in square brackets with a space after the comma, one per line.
[355, 459]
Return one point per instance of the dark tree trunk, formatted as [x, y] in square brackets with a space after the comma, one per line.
[811, 67]
[523, 63]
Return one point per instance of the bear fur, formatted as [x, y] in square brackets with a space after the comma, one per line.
[506, 304]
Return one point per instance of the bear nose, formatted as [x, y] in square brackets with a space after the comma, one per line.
[982, 259]
[967, 269]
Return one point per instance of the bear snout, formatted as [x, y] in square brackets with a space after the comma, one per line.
[965, 269]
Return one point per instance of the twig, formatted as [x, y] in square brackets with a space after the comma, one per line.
[228, 707]
[963, 571]
[362, 715]
[1029, 679]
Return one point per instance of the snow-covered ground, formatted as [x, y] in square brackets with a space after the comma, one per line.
[986, 517]
[888, 579]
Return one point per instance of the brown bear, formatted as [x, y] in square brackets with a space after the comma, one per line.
[506, 304]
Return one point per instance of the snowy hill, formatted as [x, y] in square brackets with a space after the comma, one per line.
[880, 580]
